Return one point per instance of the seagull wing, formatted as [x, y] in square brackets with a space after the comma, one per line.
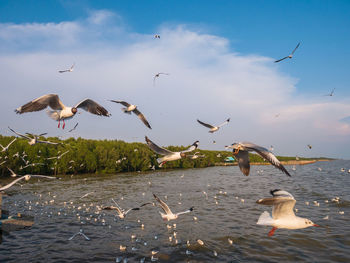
[156, 148]
[266, 154]
[121, 102]
[48, 142]
[11, 142]
[206, 124]
[113, 208]
[226, 122]
[243, 161]
[192, 147]
[295, 48]
[281, 59]
[19, 134]
[62, 71]
[92, 107]
[75, 126]
[12, 183]
[42, 176]
[41, 103]
[163, 205]
[282, 206]
[142, 117]
[12, 172]
[185, 212]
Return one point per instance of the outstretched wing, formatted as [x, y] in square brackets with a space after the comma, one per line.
[121, 102]
[93, 107]
[281, 59]
[295, 48]
[48, 142]
[156, 148]
[282, 205]
[192, 147]
[206, 124]
[226, 122]
[75, 126]
[113, 208]
[163, 205]
[41, 103]
[142, 117]
[19, 134]
[242, 158]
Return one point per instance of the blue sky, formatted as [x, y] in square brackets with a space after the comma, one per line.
[207, 38]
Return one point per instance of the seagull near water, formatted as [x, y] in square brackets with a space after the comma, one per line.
[25, 177]
[67, 70]
[60, 111]
[282, 212]
[4, 149]
[168, 214]
[291, 54]
[133, 108]
[169, 155]
[214, 128]
[121, 212]
[34, 139]
[241, 152]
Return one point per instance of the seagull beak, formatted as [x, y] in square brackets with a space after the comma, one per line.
[316, 225]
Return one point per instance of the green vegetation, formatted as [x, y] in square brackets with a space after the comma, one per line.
[97, 156]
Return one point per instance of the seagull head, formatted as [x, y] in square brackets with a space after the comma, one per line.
[74, 110]
[310, 223]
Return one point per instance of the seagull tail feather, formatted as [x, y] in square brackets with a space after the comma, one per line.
[53, 115]
[265, 219]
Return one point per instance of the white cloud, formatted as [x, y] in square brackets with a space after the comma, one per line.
[207, 81]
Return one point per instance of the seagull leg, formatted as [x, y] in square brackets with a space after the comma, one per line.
[64, 124]
[272, 231]
[59, 122]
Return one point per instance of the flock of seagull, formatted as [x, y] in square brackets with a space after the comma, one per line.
[281, 201]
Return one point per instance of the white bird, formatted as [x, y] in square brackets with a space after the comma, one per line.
[169, 155]
[58, 157]
[60, 111]
[213, 128]
[290, 56]
[157, 76]
[13, 174]
[67, 70]
[196, 155]
[4, 149]
[121, 212]
[282, 212]
[309, 146]
[34, 139]
[241, 152]
[331, 94]
[133, 108]
[169, 215]
[26, 177]
[157, 36]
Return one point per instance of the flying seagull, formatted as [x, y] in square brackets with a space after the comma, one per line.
[283, 215]
[290, 56]
[60, 111]
[240, 151]
[121, 212]
[133, 108]
[309, 146]
[26, 177]
[75, 126]
[331, 94]
[57, 157]
[168, 214]
[169, 155]
[213, 128]
[34, 139]
[4, 149]
[158, 75]
[157, 36]
[67, 70]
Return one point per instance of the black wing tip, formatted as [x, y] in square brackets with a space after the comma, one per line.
[228, 119]
[191, 208]
[272, 192]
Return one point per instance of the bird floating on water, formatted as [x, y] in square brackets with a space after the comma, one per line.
[214, 128]
[282, 212]
[168, 214]
[289, 56]
[60, 111]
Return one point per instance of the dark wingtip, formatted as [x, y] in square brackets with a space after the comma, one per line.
[191, 209]
[272, 192]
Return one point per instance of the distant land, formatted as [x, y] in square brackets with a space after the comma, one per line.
[81, 156]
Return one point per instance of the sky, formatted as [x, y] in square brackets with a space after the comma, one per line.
[220, 59]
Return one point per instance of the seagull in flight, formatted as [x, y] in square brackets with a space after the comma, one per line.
[60, 111]
[121, 212]
[26, 177]
[57, 157]
[169, 155]
[34, 139]
[283, 215]
[133, 108]
[157, 36]
[240, 151]
[214, 128]
[309, 146]
[67, 70]
[331, 94]
[4, 149]
[158, 75]
[168, 214]
[291, 54]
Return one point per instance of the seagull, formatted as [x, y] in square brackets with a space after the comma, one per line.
[57, 157]
[158, 75]
[196, 155]
[168, 155]
[282, 212]
[4, 149]
[240, 151]
[310, 146]
[81, 233]
[169, 215]
[290, 56]
[26, 177]
[75, 126]
[34, 139]
[121, 212]
[67, 70]
[213, 128]
[13, 174]
[157, 36]
[331, 94]
[133, 108]
[60, 111]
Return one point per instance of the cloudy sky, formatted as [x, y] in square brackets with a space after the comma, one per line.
[221, 64]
